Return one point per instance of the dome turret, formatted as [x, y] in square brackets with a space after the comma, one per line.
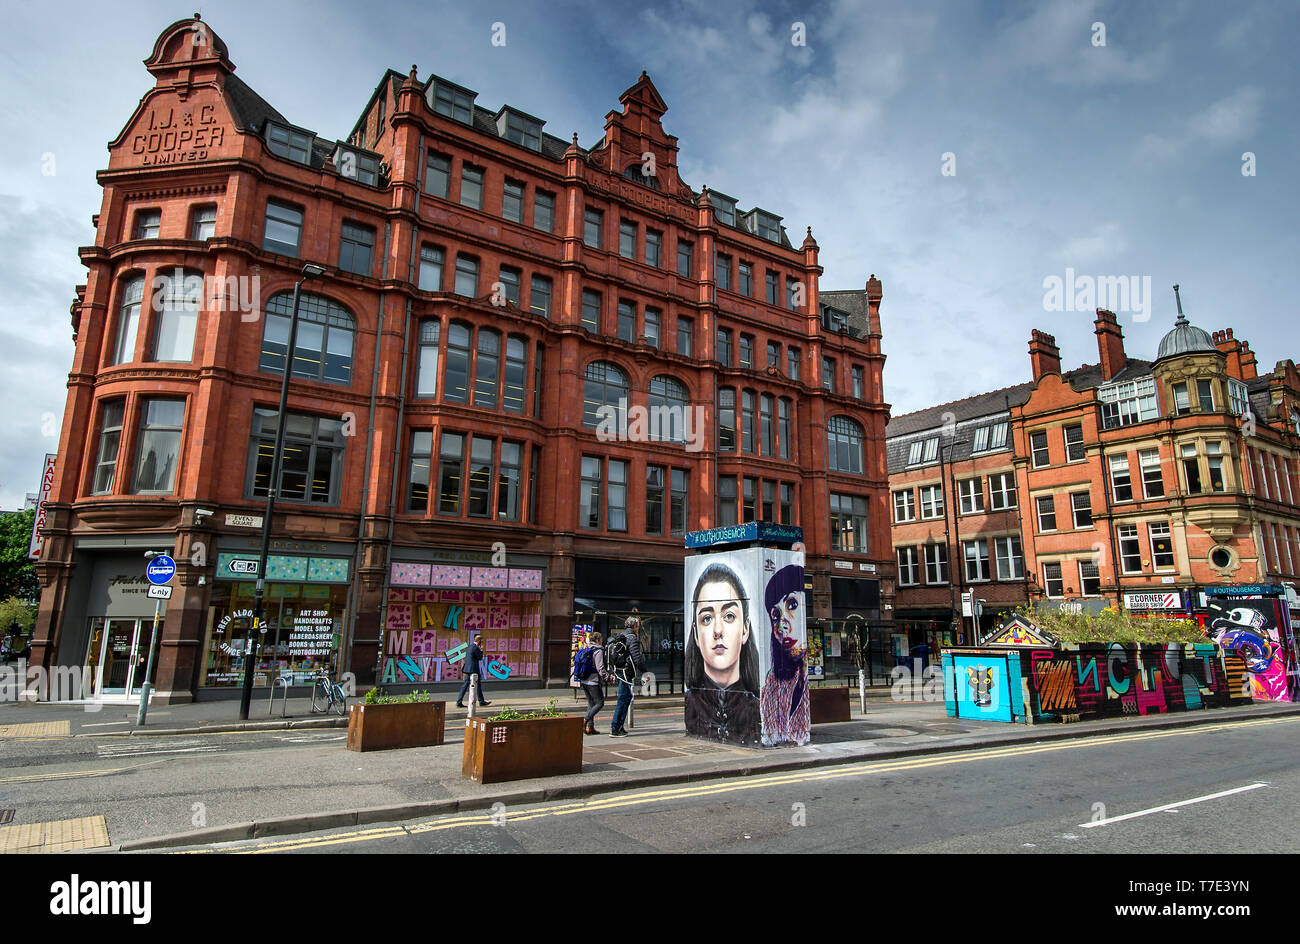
[1185, 338]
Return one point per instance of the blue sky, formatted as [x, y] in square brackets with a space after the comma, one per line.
[1123, 159]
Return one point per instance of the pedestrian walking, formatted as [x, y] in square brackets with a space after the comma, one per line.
[627, 664]
[473, 665]
[589, 669]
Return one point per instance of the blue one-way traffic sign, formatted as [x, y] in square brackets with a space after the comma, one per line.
[161, 569]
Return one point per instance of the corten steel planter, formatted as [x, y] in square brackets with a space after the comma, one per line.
[517, 750]
[827, 705]
[405, 724]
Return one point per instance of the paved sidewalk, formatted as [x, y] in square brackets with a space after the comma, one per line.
[80, 720]
[657, 753]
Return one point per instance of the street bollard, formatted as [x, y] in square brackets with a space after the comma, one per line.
[862, 689]
[473, 695]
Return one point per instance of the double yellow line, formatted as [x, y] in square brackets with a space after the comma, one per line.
[617, 801]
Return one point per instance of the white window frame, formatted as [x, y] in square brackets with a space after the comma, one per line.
[1238, 397]
[1065, 434]
[1125, 532]
[1047, 581]
[1128, 402]
[1038, 513]
[980, 560]
[1007, 494]
[1161, 529]
[907, 507]
[909, 572]
[935, 569]
[934, 502]
[1093, 564]
[1009, 550]
[1150, 459]
[1118, 462]
[1074, 510]
[970, 500]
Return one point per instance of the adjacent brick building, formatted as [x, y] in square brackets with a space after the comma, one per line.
[530, 368]
[1125, 481]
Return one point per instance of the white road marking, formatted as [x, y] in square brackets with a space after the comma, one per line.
[177, 750]
[104, 724]
[1168, 807]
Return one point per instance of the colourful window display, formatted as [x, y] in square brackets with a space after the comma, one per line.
[425, 630]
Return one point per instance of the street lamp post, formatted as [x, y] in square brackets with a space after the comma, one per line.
[309, 271]
[952, 555]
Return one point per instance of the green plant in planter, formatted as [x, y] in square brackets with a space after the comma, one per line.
[552, 710]
[1112, 625]
[377, 696]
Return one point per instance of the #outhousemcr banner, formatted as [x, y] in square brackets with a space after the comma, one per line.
[746, 647]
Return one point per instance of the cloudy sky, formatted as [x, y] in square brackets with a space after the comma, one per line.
[964, 152]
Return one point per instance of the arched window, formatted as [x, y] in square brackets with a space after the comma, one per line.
[128, 320]
[323, 348]
[426, 377]
[634, 172]
[844, 445]
[455, 383]
[487, 368]
[604, 389]
[668, 417]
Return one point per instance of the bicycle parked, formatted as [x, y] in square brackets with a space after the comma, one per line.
[327, 695]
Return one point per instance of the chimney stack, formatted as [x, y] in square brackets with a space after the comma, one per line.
[1044, 354]
[1237, 352]
[1249, 370]
[1110, 344]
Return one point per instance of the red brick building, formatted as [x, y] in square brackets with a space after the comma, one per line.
[530, 368]
[1131, 481]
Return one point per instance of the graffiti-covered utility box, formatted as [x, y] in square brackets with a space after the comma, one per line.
[1031, 685]
[746, 640]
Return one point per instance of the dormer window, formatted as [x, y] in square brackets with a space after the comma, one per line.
[520, 128]
[764, 224]
[922, 451]
[288, 142]
[357, 165]
[452, 102]
[834, 319]
[724, 207]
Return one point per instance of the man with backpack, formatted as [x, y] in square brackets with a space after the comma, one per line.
[624, 658]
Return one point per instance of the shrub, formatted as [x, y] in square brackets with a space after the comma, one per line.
[377, 696]
[1112, 624]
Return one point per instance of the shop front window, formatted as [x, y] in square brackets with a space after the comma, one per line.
[304, 629]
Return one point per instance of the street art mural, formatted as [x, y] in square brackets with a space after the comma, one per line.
[428, 634]
[1257, 627]
[1031, 685]
[746, 647]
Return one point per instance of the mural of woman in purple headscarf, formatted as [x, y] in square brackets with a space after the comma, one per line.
[784, 700]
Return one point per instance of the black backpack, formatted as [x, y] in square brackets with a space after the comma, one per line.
[618, 654]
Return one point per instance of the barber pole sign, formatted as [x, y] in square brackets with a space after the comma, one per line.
[47, 483]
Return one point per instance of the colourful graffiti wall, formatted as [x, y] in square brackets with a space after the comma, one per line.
[1088, 682]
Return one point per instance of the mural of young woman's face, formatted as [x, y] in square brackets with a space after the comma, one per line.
[785, 617]
[720, 631]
